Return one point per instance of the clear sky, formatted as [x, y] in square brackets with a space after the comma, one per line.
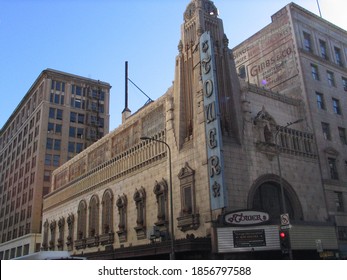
[94, 38]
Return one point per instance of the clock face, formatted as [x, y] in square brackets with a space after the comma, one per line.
[189, 13]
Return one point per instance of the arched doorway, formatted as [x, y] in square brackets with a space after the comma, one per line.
[265, 195]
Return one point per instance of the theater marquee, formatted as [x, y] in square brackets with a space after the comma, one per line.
[246, 218]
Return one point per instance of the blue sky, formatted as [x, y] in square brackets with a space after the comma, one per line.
[94, 38]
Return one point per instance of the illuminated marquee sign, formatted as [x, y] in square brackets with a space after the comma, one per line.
[213, 132]
[246, 218]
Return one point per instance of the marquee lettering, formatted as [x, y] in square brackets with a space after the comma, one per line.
[212, 138]
[206, 64]
[212, 127]
[210, 112]
[205, 46]
[216, 189]
[213, 166]
[208, 88]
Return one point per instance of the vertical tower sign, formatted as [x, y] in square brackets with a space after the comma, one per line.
[218, 194]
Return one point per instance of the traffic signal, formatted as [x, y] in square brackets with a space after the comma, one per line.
[284, 241]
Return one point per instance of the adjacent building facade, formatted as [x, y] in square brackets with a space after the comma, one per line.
[303, 56]
[233, 144]
[61, 115]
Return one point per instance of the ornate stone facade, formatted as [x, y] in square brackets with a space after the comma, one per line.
[132, 178]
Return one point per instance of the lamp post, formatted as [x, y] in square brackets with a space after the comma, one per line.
[283, 201]
[172, 252]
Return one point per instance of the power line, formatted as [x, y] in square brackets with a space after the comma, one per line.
[149, 99]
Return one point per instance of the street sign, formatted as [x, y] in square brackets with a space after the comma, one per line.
[285, 219]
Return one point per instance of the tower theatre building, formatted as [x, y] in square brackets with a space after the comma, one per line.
[226, 160]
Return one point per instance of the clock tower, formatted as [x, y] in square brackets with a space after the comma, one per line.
[199, 17]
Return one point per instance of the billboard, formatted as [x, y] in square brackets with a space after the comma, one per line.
[267, 59]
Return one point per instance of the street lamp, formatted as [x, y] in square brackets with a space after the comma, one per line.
[283, 201]
[172, 252]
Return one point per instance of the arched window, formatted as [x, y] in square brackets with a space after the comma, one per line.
[107, 212]
[52, 227]
[161, 191]
[140, 203]
[82, 220]
[268, 198]
[122, 214]
[70, 226]
[189, 217]
[94, 216]
[265, 195]
[61, 228]
[45, 235]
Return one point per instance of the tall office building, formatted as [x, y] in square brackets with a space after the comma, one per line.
[61, 115]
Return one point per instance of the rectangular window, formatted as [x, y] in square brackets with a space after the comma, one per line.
[51, 113]
[72, 131]
[331, 79]
[344, 83]
[101, 122]
[80, 132]
[342, 134]
[78, 90]
[49, 144]
[48, 159]
[314, 71]
[102, 96]
[57, 86]
[79, 147]
[56, 98]
[76, 103]
[326, 131]
[336, 106]
[338, 56]
[56, 160]
[307, 42]
[333, 169]
[188, 200]
[71, 147]
[50, 127]
[323, 49]
[59, 114]
[57, 144]
[73, 117]
[320, 101]
[80, 118]
[58, 128]
[339, 201]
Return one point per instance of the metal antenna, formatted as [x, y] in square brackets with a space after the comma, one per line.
[320, 13]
